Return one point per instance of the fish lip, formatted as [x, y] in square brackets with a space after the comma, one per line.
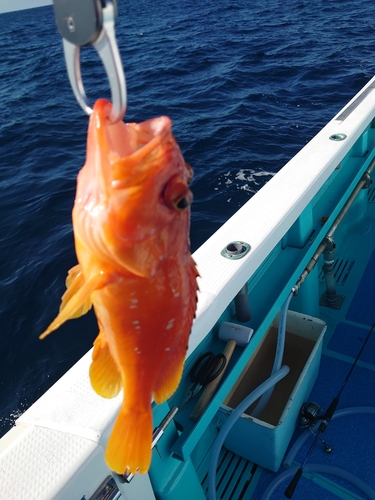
[151, 131]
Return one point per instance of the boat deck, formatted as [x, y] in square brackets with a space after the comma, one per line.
[350, 437]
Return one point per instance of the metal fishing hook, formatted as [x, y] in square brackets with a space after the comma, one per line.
[91, 22]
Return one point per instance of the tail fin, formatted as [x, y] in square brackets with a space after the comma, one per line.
[129, 446]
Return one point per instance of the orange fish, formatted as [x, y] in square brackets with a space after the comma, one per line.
[131, 221]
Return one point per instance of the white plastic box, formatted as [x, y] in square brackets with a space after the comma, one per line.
[264, 440]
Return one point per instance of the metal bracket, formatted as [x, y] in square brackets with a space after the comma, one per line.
[91, 22]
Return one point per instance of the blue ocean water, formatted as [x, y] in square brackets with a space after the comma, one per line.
[246, 84]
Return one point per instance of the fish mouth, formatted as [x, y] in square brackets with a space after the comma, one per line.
[127, 141]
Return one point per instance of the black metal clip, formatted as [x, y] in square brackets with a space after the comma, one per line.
[91, 22]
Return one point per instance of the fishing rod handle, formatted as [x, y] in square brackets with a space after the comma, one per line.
[289, 492]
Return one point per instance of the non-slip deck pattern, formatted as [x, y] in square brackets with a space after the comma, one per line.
[236, 477]
[348, 339]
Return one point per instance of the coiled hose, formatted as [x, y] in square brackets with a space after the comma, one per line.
[236, 414]
[321, 468]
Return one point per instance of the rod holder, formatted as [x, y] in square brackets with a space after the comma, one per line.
[330, 297]
[242, 305]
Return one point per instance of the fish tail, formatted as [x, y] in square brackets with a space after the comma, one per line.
[129, 446]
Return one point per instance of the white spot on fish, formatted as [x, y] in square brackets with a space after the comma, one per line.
[167, 349]
[170, 324]
[137, 350]
[133, 303]
[89, 206]
[177, 294]
[135, 322]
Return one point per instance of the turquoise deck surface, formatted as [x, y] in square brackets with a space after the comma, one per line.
[362, 308]
[351, 437]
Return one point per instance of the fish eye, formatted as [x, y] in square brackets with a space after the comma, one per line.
[177, 195]
[182, 203]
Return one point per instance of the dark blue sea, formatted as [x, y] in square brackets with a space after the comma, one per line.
[247, 83]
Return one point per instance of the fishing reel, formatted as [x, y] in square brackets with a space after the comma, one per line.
[309, 414]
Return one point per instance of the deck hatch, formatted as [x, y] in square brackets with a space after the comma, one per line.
[236, 477]
[341, 270]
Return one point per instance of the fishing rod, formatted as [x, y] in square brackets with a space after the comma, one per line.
[325, 419]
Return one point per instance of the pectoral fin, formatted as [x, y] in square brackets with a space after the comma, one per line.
[104, 375]
[76, 300]
[74, 282]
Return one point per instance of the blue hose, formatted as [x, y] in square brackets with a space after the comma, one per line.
[325, 469]
[237, 412]
[278, 356]
[335, 471]
[359, 410]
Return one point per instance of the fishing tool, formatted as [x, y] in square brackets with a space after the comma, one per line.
[91, 22]
[207, 367]
[233, 334]
[325, 419]
[309, 414]
[308, 417]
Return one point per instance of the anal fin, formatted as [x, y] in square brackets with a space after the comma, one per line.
[170, 376]
[104, 375]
